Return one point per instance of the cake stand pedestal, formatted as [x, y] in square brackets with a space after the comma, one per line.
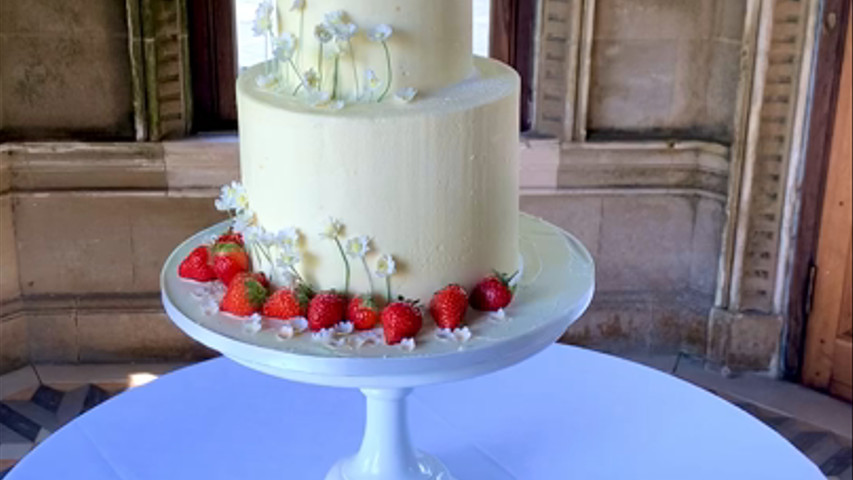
[556, 288]
[386, 450]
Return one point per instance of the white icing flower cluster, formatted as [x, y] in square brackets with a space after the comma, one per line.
[357, 248]
[209, 296]
[459, 335]
[291, 328]
[499, 316]
[319, 86]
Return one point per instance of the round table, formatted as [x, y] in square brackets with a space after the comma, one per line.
[566, 413]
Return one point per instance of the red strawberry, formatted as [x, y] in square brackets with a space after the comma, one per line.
[492, 293]
[326, 310]
[448, 307]
[363, 313]
[230, 237]
[246, 295]
[289, 303]
[229, 259]
[401, 320]
[197, 265]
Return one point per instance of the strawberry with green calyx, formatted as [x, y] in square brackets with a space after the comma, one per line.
[229, 259]
[448, 307]
[326, 310]
[288, 303]
[401, 320]
[231, 237]
[493, 293]
[245, 296]
[198, 265]
[363, 312]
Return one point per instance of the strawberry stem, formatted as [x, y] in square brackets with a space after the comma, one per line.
[346, 265]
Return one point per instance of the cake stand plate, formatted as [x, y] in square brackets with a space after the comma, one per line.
[555, 288]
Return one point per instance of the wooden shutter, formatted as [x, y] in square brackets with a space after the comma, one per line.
[164, 74]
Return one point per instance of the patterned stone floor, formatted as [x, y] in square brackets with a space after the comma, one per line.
[831, 452]
[28, 417]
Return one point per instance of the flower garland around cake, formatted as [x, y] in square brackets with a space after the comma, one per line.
[253, 274]
[320, 85]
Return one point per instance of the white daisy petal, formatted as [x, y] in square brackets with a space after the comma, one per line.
[405, 95]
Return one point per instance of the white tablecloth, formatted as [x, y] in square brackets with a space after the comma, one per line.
[565, 414]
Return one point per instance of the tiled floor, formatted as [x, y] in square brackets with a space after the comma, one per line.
[36, 401]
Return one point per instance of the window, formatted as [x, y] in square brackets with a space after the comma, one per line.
[222, 43]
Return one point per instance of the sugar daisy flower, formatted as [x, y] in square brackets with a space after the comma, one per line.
[262, 24]
[380, 33]
[284, 46]
[232, 197]
[323, 33]
[312, 80]
[372, 82]
[386, 266]
[287, 239]
[297, 5]
[243, 221]
[358, 248]
[338, 22]
[332, 228]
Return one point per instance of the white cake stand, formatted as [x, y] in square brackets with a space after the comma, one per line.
[555, 289]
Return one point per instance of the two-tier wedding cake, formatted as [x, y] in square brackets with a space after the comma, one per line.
[378, 155]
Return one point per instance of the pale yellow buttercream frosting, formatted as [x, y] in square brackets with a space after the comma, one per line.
[433, 182]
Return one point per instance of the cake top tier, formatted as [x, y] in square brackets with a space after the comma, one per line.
[358, 49]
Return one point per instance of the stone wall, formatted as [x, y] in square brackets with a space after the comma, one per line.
[665, 68]
[85, 231]
[65, 70]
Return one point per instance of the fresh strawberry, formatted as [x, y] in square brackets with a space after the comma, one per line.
[230, 237]
[246, 295]
[401, 320]
[326, 310]
[363, 313]
[229, 259]
[288, 303]
[197, 265]
[492, 293]
[448, 307]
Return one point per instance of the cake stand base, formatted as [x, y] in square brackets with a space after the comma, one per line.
[386, 450]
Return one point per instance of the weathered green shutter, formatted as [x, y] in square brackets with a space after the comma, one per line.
[159, 50]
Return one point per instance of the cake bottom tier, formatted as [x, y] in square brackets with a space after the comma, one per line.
[433, 183]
